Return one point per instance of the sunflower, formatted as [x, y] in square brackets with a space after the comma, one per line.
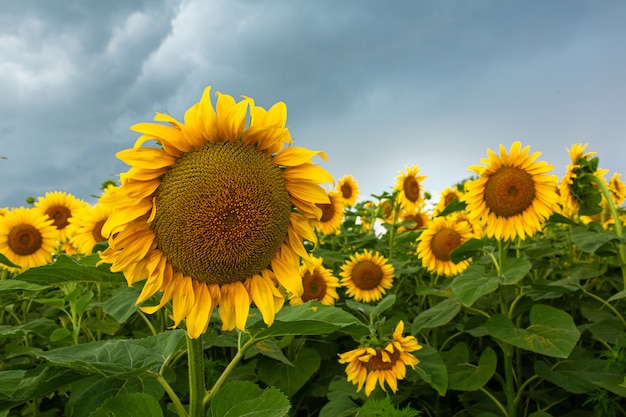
[349, 189]
[443, 235]
[59, 207]
[318, 283]
[332, 213]
[513, 195]
[447, 196]
[369, 365]
[409, 185]
[27, 238]
[3, 211]
[216, 214]
[420, 217]
[367, 276]
[85, 227]
[571, 193]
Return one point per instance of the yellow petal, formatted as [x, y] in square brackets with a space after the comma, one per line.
[296, 155]
[198, 319]
[152, 158]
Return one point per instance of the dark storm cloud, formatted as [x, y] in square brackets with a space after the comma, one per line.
[376, 85]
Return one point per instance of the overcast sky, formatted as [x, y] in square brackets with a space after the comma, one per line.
[377, 85]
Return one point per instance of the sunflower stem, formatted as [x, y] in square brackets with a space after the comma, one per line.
[180, 409]
[231, 366]
[618, 224]
[197, 389]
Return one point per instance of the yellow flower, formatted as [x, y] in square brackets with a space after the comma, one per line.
[421, 219]
[367, 276]
[27, 238]
[617, 187]
[332, 213]
[85, 227]
[443, 235]
[409, 185]
[318, 283]
[3, 211]
[513, 195]
[368, 366]
[215, 215]
[447, 196]
[59, 206]
[349, 189]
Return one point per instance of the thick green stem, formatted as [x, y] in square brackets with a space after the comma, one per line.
[197, 389]
[222, 379]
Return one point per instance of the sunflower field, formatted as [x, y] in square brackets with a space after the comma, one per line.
[227, 274]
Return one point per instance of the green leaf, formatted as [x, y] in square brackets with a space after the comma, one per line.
[90, 393]
[118, 358]
[129, 405]
[592, 238]
[551, 332]
[384, 305]
[575, 376]
[465, 376]
[5, 261]
[473, 283]
[269, 348]
[515, 270]
[67, 269]
[436, 316]
[244, 398]
[467, 250]
[617, 296]
[311, 318]
[10, 382]
[121, 305]
[12, 285]
[40, 381]
[432, 369]
[42, 327]
[452, 207]
[290, 378]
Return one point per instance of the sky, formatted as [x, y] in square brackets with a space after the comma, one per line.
[378, 86]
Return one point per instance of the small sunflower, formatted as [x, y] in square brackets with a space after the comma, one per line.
[409, 185]
[420, 217]
[513, 195]
[332, 213]
[85, 227]
[349, 189]
[617, 187]
[368, 365]
[367, 276]
[27, 238]
[216, 214]
[447, 196]
[59, 207]
[443, 235]
[318, 283]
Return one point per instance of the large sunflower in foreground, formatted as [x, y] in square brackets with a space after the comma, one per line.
[318, 284]
[513, 195]
[349, 189]
[27, 238]
[409, 185]
[385, 364]
[443, 235]
[332, 213]
[216, 215]
[59, 207]
[367, 276]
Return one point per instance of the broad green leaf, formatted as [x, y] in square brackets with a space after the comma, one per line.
[269, 348]
[473, 283]
[559, 218]
[10, 382]
[515, 270]
[575, 376]
[432, 369]
[129, 405]
[66, 269]
[90, 393]
[551, 332]
[311, 318]
[4, 260]
[40, 381]
[383, 305]
[436, 316]
[617, 296]
[341, 394]
[465, 376]
[118, 358]
[121, 304]
[453, 206]
[290, 378]
[60, 334]
[589, 240]
[244, 398]
[42, 327]
[12, 285]
[467, 250]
